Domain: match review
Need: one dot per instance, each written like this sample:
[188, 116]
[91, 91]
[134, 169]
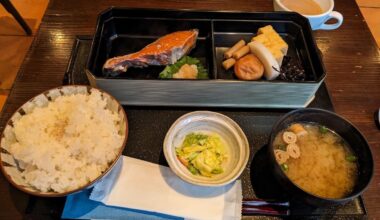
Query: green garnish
[284, 167]
[193, 170]
[202, 154]
[351, 158]
[282, 147]
[170, 70]
[323, 129]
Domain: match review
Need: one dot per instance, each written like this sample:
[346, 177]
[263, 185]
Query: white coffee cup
[318, 21]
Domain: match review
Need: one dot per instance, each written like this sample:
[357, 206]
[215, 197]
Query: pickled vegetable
[202, 154]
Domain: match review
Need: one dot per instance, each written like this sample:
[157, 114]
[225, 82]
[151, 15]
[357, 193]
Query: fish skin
[165, 50]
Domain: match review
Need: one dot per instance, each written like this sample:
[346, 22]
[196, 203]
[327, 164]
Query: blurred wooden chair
[13, 11]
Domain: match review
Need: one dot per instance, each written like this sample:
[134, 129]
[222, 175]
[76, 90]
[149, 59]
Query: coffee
[305, 7]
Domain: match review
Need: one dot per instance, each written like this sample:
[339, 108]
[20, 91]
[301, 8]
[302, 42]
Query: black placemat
[148, 126]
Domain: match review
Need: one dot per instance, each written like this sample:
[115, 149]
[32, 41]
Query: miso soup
[317, 160]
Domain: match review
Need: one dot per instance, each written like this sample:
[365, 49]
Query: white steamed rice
[67, 143]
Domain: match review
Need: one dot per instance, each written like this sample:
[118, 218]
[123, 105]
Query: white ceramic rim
[310, 16]
[174, 164]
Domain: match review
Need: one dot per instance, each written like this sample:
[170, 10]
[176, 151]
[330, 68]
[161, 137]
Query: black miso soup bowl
[342, 127]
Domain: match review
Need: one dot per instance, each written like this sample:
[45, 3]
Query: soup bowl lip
[333, 114]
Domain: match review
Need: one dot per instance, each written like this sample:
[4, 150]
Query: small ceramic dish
[208, 122]
[13, 169]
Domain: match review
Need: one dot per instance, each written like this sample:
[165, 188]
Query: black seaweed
[291, 70]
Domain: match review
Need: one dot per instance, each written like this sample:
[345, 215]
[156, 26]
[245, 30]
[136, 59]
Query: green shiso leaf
[170, 70]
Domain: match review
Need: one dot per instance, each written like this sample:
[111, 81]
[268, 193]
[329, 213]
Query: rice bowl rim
[56, 194]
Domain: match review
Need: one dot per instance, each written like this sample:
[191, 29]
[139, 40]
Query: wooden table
[350, 54]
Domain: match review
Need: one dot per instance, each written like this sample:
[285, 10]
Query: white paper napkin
[141, 185]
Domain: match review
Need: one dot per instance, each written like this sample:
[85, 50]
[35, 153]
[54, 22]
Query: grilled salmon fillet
[164, 51]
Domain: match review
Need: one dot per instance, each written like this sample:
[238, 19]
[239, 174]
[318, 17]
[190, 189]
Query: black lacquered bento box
[122, 30]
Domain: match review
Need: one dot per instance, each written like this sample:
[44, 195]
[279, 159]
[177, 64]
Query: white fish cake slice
[293, 150]
[271, 66]
[281, 156]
